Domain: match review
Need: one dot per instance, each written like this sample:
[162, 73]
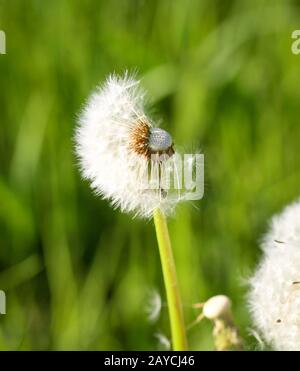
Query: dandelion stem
[179, 340]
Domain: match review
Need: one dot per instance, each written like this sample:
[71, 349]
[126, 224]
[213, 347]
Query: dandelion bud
[225, 333]
[218, 307]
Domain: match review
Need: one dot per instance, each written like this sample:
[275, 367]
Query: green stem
[179, 340]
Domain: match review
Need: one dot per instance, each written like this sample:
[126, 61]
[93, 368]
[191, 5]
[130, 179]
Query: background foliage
[222, 77]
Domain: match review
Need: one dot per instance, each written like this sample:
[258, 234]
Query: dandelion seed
[163, 340]
[257, 337]
[154, 306]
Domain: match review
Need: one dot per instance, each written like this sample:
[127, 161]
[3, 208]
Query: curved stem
[179, 340]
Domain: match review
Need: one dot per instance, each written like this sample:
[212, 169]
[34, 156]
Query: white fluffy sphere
[275, 287]
[114, 144]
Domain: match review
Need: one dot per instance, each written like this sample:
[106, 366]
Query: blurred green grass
[222, 76]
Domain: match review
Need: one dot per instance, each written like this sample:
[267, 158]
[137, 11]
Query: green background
[223, 79]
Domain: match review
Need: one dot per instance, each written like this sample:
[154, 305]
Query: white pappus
[274, 297]
[116, 141]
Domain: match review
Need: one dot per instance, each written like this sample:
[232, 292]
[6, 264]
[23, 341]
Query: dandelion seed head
[274, 297]
[114, 143]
